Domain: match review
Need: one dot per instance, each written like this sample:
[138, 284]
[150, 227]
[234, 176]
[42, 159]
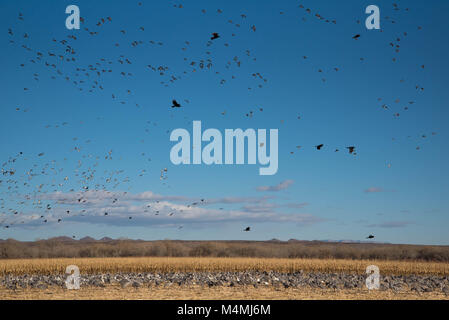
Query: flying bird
[351, 149]
[175, 104]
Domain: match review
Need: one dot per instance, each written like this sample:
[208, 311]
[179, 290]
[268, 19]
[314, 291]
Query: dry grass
[175, 292]
[180, 264]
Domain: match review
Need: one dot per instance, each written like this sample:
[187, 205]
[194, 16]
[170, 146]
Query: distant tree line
[65, 247]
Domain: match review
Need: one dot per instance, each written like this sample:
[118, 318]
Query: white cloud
[373, 190]
[148, 208]
[391, 224]
[281, 186]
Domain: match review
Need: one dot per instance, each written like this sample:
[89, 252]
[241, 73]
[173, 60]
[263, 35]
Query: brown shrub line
[53, 248]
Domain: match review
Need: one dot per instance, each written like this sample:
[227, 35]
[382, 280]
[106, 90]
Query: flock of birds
[61, 63]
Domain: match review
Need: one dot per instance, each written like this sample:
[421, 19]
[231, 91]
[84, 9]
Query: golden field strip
[175, 292]
[210, 264]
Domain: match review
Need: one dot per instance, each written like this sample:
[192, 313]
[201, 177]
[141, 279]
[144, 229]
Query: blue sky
[91, 140]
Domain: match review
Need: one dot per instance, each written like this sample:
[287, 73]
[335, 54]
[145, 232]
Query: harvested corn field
[215, 293]
[221, 278]
[169, 264]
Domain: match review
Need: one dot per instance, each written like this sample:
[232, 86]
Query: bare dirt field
[215, 293]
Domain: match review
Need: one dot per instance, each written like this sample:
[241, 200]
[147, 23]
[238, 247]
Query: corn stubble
[211, 264]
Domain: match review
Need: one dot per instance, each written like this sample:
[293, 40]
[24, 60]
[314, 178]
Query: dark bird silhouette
[318, 147]
[356, 36]
[370, 237]
[351, 149]
[247, 229]
[214, 36]
[175, 104]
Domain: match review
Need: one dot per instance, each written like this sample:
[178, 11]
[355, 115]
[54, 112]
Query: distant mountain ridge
[109, 239]
[87, 239]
